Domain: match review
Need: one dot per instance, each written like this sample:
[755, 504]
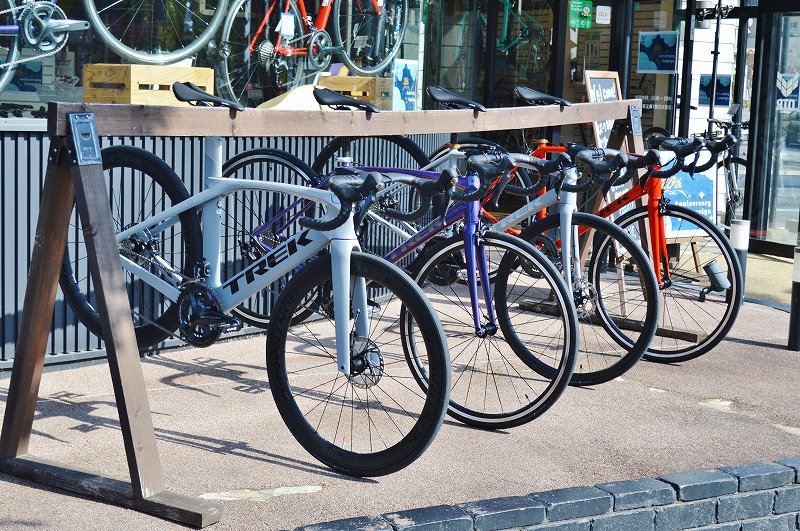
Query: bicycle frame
[269, 267]
[469, 213]
[568, 205]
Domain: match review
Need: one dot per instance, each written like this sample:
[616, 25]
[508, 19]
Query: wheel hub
[585, 295]
[366, 363]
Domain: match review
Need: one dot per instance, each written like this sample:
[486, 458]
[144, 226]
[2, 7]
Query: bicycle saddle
[326, 96]
[534, 97]
[189, 92]
[451, 100]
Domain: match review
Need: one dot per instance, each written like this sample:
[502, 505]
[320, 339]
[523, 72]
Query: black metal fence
[23, 161]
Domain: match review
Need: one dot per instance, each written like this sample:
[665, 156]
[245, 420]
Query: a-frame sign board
[74, 170]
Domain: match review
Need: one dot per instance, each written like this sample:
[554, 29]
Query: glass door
[774, 204]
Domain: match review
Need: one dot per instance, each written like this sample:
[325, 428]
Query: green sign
[580, 14]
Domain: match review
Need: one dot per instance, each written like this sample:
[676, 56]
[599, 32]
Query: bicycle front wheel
[157, 32]
[9, 43]
[253, 222]
[376, 420]
[614, 290]
[140, 185]
[370, 33]
[513, 370]
[250, 69]
[703, 292]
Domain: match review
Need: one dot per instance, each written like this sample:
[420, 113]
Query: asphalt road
[219, 436]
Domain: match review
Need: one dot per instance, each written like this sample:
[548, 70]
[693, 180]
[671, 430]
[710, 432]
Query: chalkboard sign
[602, 86]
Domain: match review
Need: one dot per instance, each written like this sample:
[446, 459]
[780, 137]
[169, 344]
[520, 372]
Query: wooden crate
[140, 84]
[375, 90]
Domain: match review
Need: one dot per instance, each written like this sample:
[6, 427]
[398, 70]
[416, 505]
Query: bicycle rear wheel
[157, 32]
[513, 374]
[376, 420]
[9, 44]
[705, 288]
[392, 151]
[250, 70]
[614, 290]
[140, 185]
[370, 32]
[255, 221]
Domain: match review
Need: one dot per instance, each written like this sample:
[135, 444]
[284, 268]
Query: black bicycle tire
[130, 157]
[431, 416]
[735, 276]
[385, 61]
[585, 374]
[258, 317]
[529, 406]
[342, 145]
[653, 131]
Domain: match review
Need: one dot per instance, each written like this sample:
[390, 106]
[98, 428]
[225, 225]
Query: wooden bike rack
[74, 173]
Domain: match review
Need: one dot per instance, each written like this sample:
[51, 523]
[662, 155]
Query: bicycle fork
[478, 267]
[340, 265]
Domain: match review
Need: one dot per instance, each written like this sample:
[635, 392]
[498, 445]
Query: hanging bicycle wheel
[530, 55]
[703, 294]
[250, 69]
[370, 33]
[155, 32]
[9, 43]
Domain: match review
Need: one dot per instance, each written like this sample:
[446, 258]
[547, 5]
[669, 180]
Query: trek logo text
[265, 263]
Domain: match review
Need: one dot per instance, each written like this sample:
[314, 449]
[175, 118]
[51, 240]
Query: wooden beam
[141, 120]
[37, 308]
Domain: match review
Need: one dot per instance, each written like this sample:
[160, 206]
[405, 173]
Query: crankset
[200, 319]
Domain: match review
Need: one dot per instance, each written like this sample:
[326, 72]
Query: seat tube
[568, 204]
[212, 217]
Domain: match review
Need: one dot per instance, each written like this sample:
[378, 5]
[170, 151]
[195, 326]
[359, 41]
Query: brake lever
[504, 179]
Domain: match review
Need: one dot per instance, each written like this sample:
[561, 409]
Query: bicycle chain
[40, 56]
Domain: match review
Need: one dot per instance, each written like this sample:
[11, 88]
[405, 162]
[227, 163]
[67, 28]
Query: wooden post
[75, 164]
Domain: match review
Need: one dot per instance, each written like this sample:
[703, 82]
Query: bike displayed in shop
[269, 47]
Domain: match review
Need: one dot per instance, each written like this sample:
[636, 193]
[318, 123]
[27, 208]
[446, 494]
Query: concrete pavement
[220, 436]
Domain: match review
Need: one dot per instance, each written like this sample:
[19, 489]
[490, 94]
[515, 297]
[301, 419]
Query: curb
[760, 495]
